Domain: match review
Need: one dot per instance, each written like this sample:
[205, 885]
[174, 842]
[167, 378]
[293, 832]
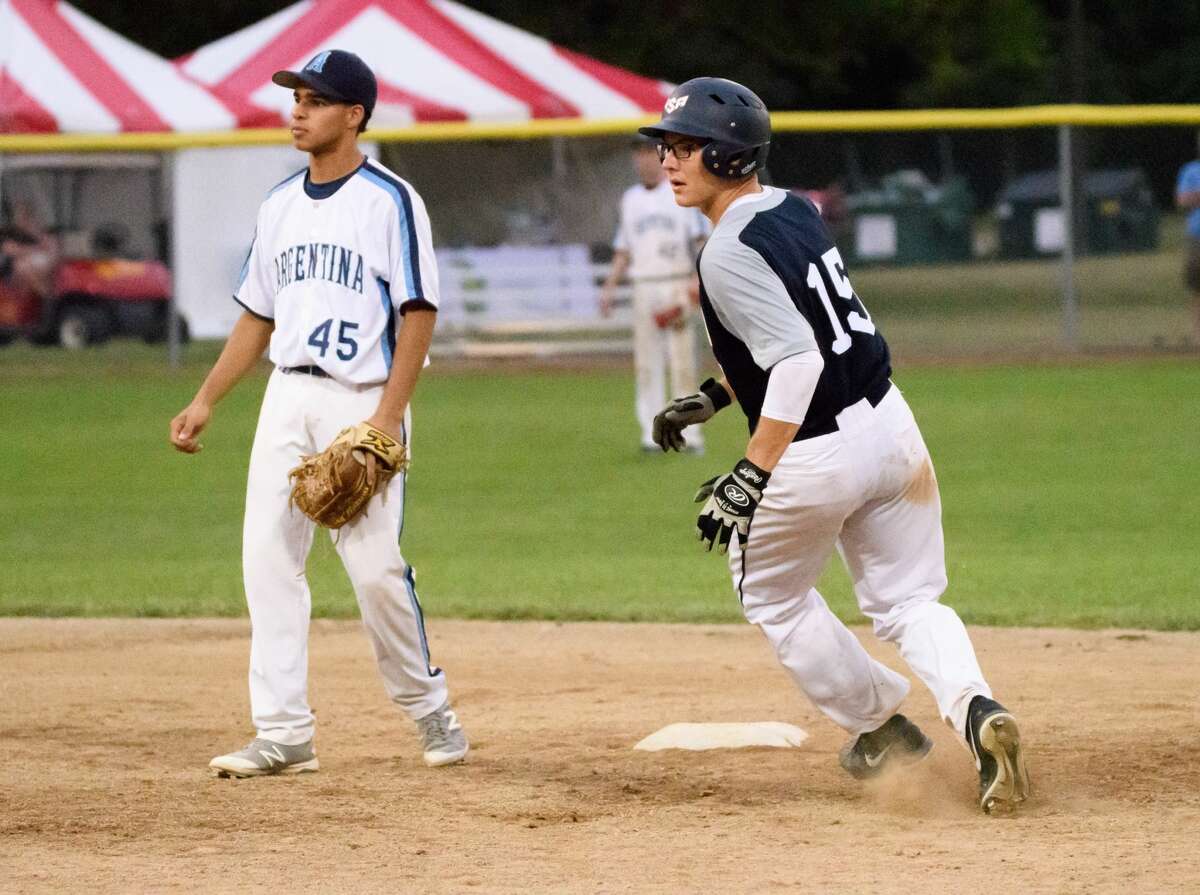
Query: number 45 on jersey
[347, 345]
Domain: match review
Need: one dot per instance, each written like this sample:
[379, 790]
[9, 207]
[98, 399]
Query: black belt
[874, 395]
[310, 370]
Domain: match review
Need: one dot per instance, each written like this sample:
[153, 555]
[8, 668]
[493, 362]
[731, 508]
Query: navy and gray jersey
[773, 284]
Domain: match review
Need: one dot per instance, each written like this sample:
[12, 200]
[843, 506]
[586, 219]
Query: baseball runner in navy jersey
[835, 458]
[341, 283]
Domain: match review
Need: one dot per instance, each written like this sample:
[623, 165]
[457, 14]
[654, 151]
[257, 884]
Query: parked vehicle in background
[91, 301]
[83, 241]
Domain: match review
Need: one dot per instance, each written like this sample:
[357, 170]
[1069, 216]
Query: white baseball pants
[655, 349]
[869, 490]
[301, 414]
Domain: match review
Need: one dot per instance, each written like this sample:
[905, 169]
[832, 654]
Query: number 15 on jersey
[859, 322]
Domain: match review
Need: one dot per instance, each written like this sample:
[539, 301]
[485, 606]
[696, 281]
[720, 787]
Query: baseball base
[700, 737]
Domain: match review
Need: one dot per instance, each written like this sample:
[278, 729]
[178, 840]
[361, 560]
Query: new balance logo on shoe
[444, 740]
[263, 757]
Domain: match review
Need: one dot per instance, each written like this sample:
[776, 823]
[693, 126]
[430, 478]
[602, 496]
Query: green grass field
[1069, 495]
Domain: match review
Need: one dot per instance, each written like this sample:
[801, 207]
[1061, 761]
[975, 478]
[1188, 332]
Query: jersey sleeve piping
[417, 304]
[408, 231]
[286, 181]
[246, 264]
[254, 313]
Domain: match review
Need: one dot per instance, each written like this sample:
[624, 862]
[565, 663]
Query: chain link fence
[957, 240]
[953, 224]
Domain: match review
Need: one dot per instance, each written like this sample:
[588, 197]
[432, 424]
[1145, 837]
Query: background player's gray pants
[300, 415]
[868, 489]
[657, 350]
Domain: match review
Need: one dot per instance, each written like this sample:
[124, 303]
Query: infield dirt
[107, 728]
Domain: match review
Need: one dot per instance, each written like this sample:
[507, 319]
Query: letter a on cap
[318, 62]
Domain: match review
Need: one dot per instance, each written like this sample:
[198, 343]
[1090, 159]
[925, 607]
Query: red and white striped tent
[436, 60]
[63, 72]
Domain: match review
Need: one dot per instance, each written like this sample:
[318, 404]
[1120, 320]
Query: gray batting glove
[729, 504]
[689, 410]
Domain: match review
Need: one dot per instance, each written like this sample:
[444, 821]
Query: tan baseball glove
[334, 486]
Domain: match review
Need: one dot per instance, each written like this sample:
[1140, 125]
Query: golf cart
[103, 276]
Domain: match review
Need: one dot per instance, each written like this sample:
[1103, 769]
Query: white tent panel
[221, 58]
[536, 58]
[409, 63]
[180, 103]
[216, 197]
[217, 193]
[52, 85]
[416, 66]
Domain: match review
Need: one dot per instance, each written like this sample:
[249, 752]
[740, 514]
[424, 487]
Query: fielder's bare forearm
[412, 345]
[620, 264]
[1188, 200]
[242, 351]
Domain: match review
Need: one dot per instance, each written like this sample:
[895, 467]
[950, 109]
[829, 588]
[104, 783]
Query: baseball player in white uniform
[341, 283]
[656, 244]
[835, 459]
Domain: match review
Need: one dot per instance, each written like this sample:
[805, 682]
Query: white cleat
[262, 758]
[444, 739]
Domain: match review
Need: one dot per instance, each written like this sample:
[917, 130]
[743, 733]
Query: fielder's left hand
[690, 410]
[730, 502]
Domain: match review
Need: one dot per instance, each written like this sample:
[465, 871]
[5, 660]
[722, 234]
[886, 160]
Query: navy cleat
[898, 742]
[995, 741]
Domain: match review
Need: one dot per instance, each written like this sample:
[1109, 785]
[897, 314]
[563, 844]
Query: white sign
[513, 284]
[1049, 235]
[875, 236]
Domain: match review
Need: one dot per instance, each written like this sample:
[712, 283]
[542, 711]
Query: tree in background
[856, 54]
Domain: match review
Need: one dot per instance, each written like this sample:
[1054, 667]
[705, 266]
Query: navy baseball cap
[337, 74]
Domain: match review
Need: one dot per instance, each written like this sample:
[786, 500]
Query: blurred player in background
[1187, 197]
[341, 283]
[656, 243]
[28, 252]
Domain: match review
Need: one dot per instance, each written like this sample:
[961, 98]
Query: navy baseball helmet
[729, 117]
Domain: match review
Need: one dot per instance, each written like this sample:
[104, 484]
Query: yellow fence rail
[902, 120]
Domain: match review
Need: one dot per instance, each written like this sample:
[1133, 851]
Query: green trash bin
[1120, 214]
[909, 220]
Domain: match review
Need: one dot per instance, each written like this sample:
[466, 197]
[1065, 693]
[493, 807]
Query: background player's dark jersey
[772, 284]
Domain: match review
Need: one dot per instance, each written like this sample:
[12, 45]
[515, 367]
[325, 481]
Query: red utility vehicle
[92, 300]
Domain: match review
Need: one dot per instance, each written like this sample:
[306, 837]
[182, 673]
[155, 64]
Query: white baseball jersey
[659, 235]
[332, 264]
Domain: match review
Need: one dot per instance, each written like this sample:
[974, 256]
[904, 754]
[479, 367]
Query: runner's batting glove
[688, 411]
[730, 502]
